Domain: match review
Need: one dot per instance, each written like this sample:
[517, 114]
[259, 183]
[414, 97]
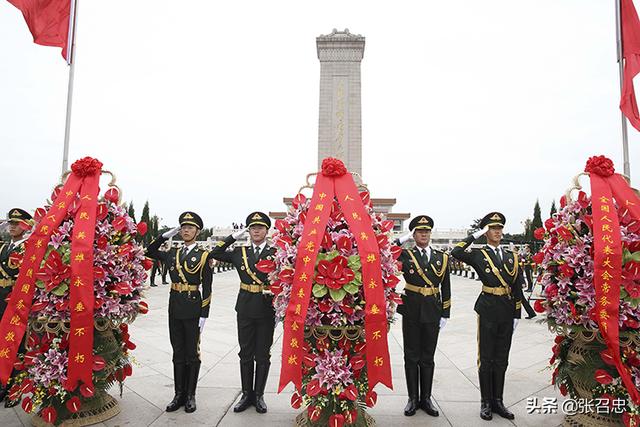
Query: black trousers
[420, 340]
[255, 336]
[494, 343]
[527, 272]
[185, 340]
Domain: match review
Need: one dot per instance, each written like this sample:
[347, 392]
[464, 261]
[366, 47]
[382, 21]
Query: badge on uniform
[411, 271]
[486, 270]
[438, 262]
[242, 267]
[193, 259]
[510, 261]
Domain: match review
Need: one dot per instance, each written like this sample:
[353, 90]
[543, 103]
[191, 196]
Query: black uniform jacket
[8, 271]
[248, 304]
[194, 270]
[489, 306]
[418, 307]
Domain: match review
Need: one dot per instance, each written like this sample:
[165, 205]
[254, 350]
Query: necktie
[499, 255]
[10, 247]
[183, 254]
[256, 252]
[425, 258]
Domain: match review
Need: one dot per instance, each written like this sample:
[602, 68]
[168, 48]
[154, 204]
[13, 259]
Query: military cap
[21, 216]
[493, 219]
[421, 222]
[258, 218]
[191, 218]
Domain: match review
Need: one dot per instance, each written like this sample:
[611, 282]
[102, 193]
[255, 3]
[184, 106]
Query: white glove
[443, 322]
[480, 233]
[515, 324]
[404, 237]
[239, 234]
[169, 234]
[201, 323]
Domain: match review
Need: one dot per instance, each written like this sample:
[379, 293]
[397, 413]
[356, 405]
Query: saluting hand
[480, 233]
[239, 234]
[404, 237]
[169, 234]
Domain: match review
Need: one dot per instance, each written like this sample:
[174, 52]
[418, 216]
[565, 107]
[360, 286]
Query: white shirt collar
[261, 246]
[428, 249]
[495, 248]
[190, 247]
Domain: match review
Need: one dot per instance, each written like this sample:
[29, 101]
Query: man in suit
[189, 302]
[498, 308]
[425, 310]
[20, 223]
[255, 314]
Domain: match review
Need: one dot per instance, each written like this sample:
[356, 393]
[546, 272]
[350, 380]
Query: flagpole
[71, 53]
[625, 141]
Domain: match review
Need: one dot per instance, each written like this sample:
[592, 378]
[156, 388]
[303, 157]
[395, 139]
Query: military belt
[423, 290]
[496, 291]
[183, 287]
[254, 289]
[6, 283]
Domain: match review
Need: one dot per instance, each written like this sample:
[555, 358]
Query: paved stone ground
[455, 388]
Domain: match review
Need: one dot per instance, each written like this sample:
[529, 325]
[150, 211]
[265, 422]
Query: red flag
[48, 21]
[631, 55]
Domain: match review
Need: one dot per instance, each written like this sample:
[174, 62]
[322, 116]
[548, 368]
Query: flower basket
[590, 274]
[80, 284]
[333, 278]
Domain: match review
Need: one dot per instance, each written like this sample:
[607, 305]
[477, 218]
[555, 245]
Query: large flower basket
[590, 273]
[334, 277]
[65, 330]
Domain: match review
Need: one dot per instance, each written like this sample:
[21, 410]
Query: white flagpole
[71, 53]
[625, 142]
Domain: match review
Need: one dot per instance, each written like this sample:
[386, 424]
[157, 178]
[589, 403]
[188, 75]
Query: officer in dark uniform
[425, 310]
[255, 314]
[527, 261]
[498, 308]
[189, 302]
[19, 224]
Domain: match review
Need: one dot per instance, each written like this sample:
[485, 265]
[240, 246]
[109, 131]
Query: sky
[467, 106]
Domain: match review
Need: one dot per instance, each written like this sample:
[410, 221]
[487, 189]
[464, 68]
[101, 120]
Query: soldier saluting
[189, 302]
[498, 308]
[20, 222]
[425, 310]
[254, 308]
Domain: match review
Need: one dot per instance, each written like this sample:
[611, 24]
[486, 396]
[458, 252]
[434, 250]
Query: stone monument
[340, 119]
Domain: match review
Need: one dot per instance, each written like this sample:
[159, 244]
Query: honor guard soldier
[189, 302]
[498, 307]
[19, 224]
[425, 310]
[254, 308]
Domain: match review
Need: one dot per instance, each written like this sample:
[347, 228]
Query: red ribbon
[607, 275]
[14, 322]
[344, 189]
[81, 286]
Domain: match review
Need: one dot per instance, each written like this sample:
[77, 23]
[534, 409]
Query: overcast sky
[467, 106]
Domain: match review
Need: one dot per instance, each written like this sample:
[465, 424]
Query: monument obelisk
[340, 119]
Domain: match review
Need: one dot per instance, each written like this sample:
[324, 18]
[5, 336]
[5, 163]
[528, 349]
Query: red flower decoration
[633, 289]
[538, 258]
[333, 167]
[600, 165]
[564, 233]
[112, 195]
[142, 228]
[336, 420]
[335, 273]
[27, 404]
[314, 413]
[566, 271]
[54, 271]
[49, 414]
[73, 404]
[538, 307]
[371, 399]
[266, 266]
[603, 377]
[539, 233]
[296, 400]
[86, 167]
